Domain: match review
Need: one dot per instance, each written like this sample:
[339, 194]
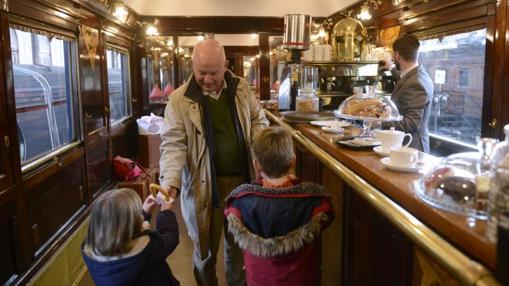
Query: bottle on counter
[294, 90]
[307, 100]
[499, 187]
[486, 147]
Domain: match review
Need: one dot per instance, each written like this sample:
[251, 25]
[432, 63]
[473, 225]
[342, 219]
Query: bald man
[205, 153]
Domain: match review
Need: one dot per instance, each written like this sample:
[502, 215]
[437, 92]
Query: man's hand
[389, 63]
[172, 191]
[165, 204]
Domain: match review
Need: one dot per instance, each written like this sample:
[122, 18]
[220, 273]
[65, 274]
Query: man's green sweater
[227, 160]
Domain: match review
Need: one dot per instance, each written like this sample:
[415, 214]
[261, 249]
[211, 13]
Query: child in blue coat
[119, 251]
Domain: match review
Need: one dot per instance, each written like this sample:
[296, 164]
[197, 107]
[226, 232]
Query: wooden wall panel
[6, 134]
[123, 140]
[8, 240]
[376, 252]
[64, 16]
[264, 60]
[54, 196]
[307, 166]
[332, 237]
[98, 166]
[92, 100]
[444, 17]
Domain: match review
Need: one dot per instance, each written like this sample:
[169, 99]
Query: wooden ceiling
[259, 8]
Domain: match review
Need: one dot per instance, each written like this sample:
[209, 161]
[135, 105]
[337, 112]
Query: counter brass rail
[458, 265]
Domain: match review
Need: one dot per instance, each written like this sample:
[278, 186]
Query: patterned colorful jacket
[279, 232]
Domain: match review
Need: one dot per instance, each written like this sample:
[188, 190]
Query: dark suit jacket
[412, 96]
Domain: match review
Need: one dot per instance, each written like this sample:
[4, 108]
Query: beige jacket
[185, 160]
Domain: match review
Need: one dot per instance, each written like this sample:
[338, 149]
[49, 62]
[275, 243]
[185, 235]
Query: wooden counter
[373, 244]
[401, 187]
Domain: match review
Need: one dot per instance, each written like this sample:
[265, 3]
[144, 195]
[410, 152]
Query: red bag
[126, 169]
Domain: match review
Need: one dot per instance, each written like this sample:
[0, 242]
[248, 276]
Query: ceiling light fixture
[322, 33]
[364, 14]
[120, 12]
[151, 31]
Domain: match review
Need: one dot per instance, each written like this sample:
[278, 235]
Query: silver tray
[306, 117]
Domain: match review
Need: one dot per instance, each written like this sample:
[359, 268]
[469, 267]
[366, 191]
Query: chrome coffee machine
[339, 80]
[296, 39]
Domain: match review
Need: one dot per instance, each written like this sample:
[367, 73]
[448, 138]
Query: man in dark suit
[413, 91]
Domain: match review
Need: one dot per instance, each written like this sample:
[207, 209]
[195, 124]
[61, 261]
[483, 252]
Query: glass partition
[456, 65]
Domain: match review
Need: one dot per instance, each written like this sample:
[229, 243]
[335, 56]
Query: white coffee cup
[404, 156]
[392, 138]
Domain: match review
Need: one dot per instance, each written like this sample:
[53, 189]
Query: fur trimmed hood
[271, 222]
[279, 245]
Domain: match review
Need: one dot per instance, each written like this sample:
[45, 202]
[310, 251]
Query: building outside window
[457, 102]
[118, 84]
[44, 93]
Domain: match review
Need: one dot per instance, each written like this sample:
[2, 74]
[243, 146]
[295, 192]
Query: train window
[456, 64]
[43, 91]
[118, 84]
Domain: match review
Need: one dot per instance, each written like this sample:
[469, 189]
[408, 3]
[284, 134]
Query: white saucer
[333, 129]
[330, 123]
[386, 161]
[380, 151]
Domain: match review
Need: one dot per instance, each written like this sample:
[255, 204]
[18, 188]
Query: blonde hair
[273, 148]
[115, 220]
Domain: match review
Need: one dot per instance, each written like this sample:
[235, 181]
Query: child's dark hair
[273, 148]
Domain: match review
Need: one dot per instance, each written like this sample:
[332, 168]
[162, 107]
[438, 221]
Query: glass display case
[369, 108]
[452, 185]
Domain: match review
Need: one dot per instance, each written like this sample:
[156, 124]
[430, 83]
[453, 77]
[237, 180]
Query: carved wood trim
[176, 25]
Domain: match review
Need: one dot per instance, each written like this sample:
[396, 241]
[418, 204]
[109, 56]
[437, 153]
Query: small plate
[380, 151]
[386, 161]
[330, 123]
[359, 142]
[333, 129]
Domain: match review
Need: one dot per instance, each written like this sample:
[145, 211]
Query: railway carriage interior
[75, 75]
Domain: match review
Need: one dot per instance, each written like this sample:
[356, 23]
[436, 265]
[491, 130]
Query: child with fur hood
[277, 221]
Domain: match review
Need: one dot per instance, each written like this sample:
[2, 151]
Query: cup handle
[409, 141]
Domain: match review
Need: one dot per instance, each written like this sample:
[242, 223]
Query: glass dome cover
[452, 186]
[368, 107]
